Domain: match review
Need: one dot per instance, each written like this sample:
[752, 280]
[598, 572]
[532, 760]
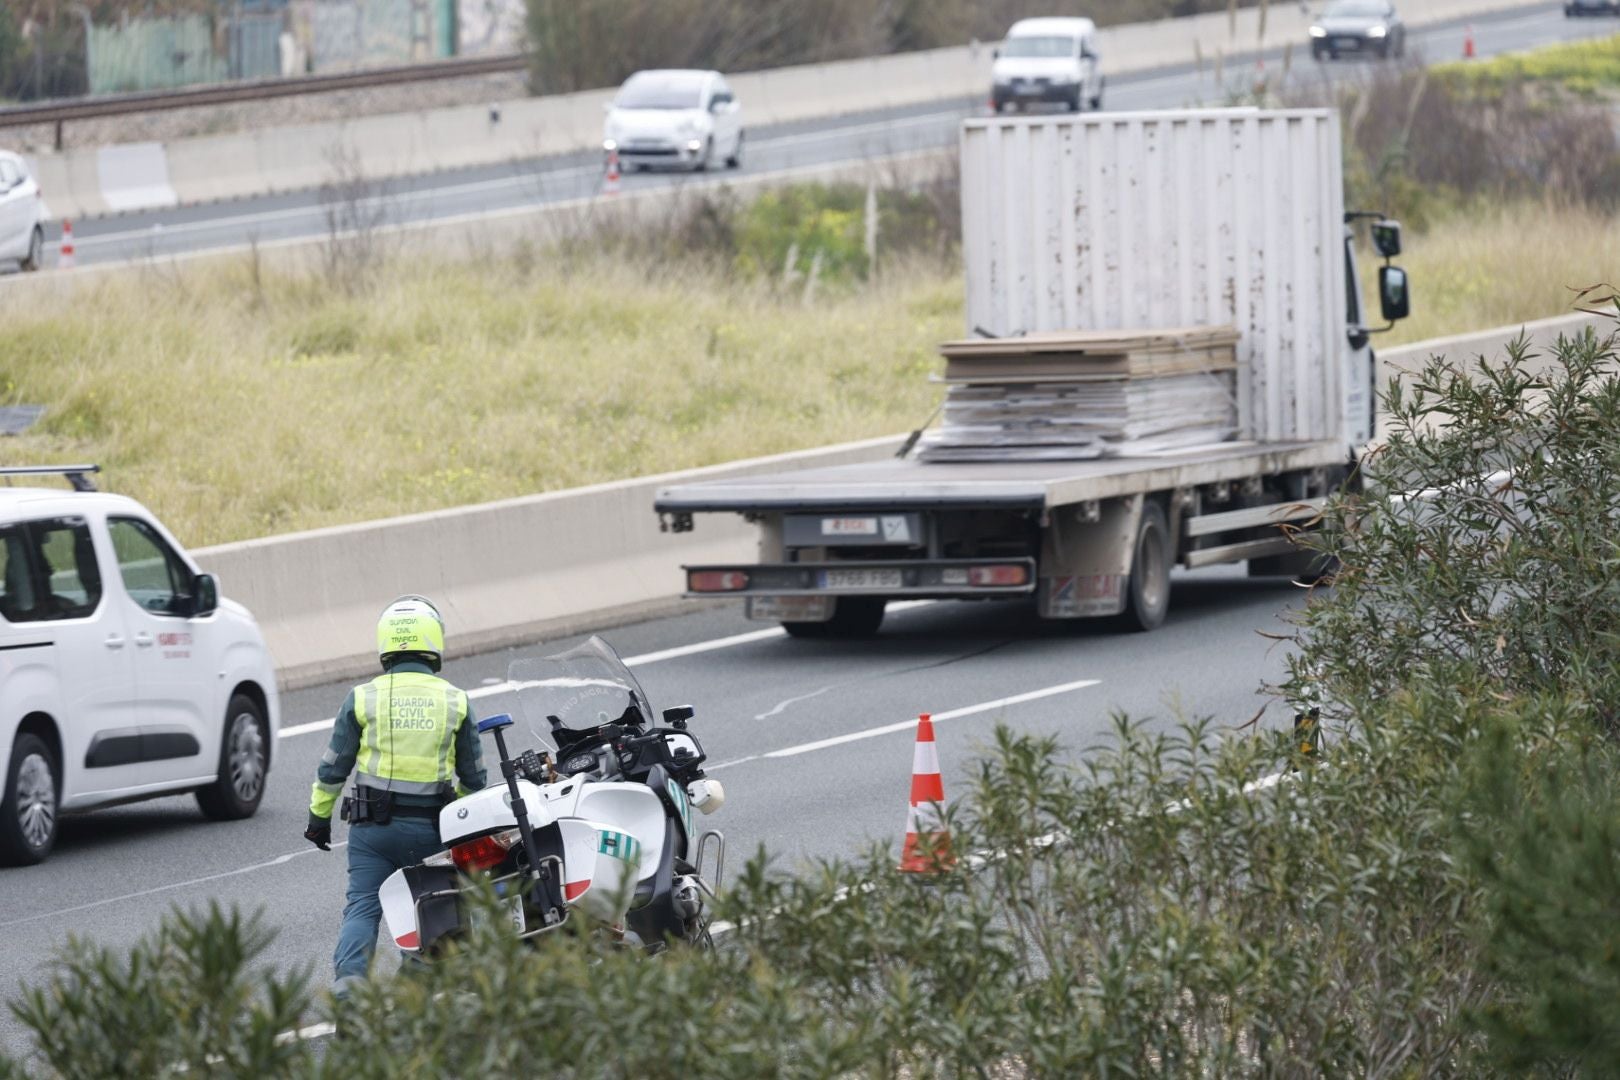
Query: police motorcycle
[593, 818]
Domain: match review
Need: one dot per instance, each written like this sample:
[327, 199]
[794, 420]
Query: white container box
[1151, 220]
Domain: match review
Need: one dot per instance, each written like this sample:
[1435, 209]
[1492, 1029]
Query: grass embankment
[237, 416]
[1590, 68]
[239, 410]
[1505, 265]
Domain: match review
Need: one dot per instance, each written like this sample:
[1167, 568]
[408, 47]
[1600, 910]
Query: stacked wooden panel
[1086, 394]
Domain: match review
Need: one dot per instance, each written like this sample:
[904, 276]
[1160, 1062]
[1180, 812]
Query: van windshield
[1039, 46]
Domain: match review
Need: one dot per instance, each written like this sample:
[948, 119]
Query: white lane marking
[313, 1031]
[493, 689]
[910, 725]
[305, 729]
[280, 860]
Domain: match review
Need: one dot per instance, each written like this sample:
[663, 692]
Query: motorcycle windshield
[580, 690]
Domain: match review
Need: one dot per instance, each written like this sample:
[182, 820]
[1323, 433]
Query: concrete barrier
[298, 157]
[134, 176]
[552, 564]
[502, 572]
[1409, 359]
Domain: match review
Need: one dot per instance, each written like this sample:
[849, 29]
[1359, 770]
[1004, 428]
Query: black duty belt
[429, 812]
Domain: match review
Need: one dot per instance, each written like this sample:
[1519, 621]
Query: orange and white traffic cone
[1468, 43]
[610, 182]
[927, 846]
[65, 259]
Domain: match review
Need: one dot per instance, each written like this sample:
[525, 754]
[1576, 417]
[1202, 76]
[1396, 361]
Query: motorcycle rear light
[716, 581]
[998, 575]
[485, 852]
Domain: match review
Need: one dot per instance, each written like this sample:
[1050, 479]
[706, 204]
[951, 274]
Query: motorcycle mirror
[678, 715]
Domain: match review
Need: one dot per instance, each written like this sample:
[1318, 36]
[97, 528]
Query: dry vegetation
[1509, 264]
[237, 415]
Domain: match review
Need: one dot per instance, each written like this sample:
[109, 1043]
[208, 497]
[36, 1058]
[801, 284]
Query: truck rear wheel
[853, 617]
[1147, 594]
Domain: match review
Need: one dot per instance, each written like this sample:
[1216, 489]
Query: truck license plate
[860, 579]
[849, 526]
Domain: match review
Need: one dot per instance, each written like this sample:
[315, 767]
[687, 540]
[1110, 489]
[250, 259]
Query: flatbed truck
[1122, 222]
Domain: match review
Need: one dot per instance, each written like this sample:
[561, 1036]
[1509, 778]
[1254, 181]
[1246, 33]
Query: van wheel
[853, 617]
[36, 251]
[244, 762]
[1147, 595]
[735, 160]
[28, 819]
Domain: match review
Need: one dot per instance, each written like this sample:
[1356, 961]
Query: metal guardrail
[84, 108]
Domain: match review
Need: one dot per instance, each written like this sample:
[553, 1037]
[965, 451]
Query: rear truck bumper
[888, 578]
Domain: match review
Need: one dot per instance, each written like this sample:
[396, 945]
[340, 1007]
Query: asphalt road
[795, 729]
[779, 149]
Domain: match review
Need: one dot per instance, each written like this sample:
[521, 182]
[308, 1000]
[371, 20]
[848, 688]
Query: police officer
[411, 738]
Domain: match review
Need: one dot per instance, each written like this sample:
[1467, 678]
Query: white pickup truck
[1127, 222]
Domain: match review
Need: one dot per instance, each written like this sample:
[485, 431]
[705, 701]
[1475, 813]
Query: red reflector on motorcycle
[573, 890]
[410, 941]
[484, 853]
[716, 581]
[998, 575]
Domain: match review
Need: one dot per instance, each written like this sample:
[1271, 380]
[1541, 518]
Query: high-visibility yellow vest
[408, 723]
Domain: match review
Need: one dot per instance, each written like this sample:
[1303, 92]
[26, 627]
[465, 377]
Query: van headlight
[1317, 31]
[1377, 31]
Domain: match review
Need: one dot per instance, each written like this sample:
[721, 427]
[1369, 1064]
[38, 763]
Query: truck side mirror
[1386, 237]
[1393, 298]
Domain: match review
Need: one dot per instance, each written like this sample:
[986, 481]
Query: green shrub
[185, 999]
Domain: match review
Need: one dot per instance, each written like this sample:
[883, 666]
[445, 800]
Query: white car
[1048, 61]
[123, 675]
[681, 118]
[22, 215]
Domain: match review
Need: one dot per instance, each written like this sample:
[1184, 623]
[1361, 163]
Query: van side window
[19, 591]
[154, 575]
[68, 567]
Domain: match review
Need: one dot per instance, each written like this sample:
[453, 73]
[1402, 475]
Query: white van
[123, 674]
[1048, 60]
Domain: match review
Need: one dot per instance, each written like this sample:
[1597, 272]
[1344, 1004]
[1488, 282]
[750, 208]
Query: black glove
[319, 833]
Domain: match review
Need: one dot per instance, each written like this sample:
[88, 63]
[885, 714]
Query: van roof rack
[77, 475]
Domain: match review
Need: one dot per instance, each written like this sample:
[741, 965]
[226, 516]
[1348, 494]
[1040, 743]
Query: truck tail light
[484, 853]
[716, 581]
[998, 575]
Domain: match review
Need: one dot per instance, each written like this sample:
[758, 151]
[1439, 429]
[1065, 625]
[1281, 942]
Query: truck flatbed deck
[905, 484]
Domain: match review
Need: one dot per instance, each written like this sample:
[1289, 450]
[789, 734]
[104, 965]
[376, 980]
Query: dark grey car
[1356, 28]
[1573, 8]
